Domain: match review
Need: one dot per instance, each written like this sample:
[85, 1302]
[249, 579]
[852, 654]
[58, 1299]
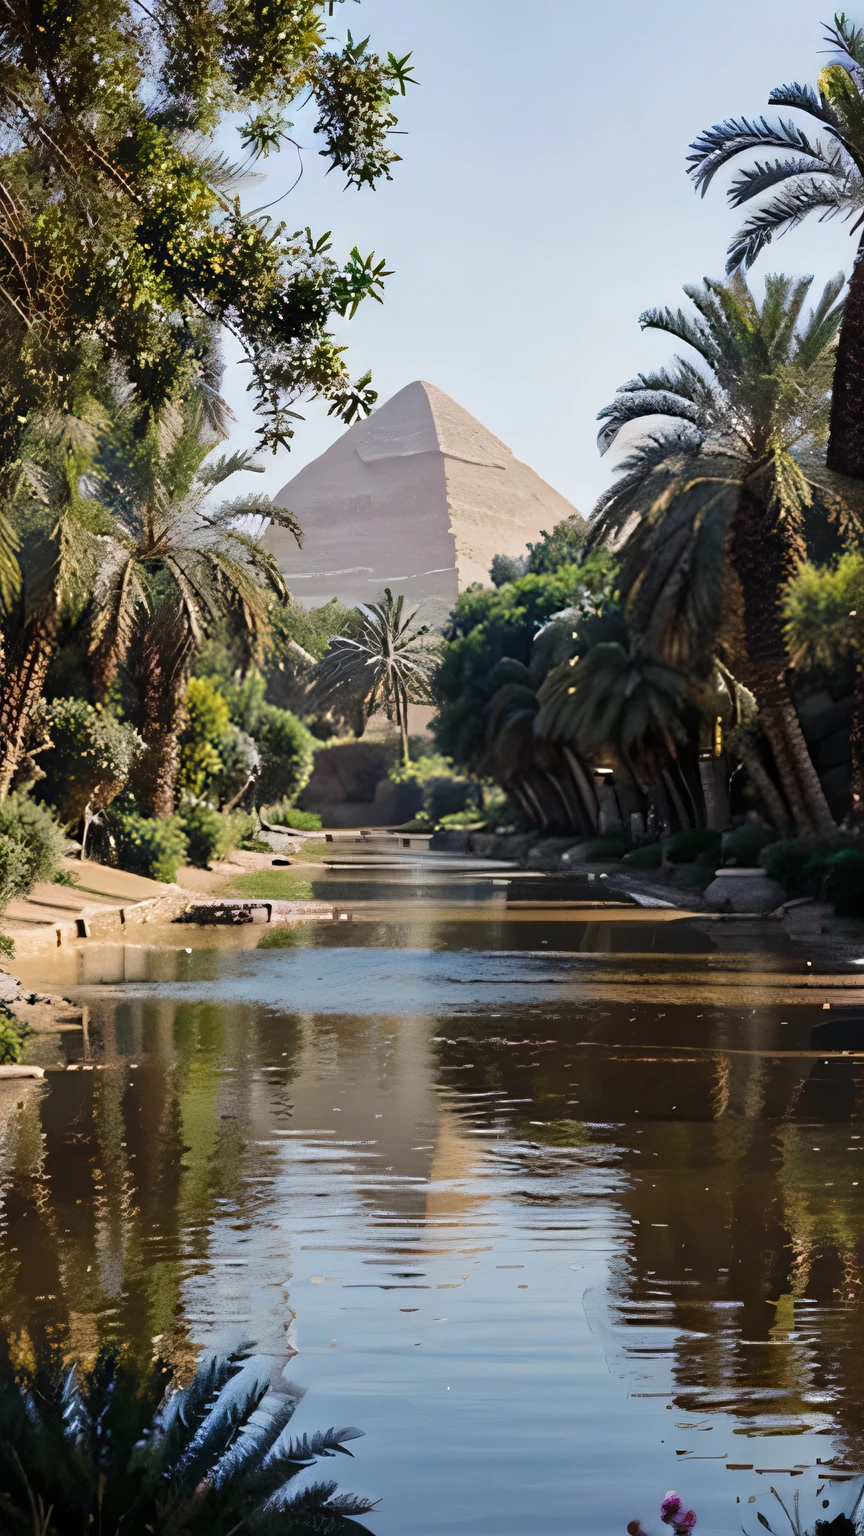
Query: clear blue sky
[542, 203]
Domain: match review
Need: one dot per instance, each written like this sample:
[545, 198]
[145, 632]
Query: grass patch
[280, 938]
[269, 885]
[311, 852]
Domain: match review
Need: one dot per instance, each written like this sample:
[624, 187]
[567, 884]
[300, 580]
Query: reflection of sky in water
[553, 1249]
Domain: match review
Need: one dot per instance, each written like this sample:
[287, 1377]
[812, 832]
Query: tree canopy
[120, 223]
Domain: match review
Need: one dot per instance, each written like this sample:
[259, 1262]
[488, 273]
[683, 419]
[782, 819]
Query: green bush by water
[280, 937]
[844, 882]
[31, 846]
[601, 848]
[287, 752]
[649, 856]
[820, 869]
[145, 846]
[743, 846]
[211, 834]
[282, 815]
[693, 843]
[90, 759]
[12, 1033]
[797, 866]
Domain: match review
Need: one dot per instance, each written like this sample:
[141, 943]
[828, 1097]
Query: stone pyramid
[418, 498]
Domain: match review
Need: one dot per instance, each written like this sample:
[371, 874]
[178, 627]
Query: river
[560, 1212]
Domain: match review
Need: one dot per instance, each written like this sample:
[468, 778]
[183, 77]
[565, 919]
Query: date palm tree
[173, 567]
[120, 1449]
[388, 665]
[50, 554]
[710, 516]
[823, 175]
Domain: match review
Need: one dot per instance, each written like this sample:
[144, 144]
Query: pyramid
[418, 498]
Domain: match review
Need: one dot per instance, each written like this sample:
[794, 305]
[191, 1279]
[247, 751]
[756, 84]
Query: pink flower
[685, 1521]
[670, 1507]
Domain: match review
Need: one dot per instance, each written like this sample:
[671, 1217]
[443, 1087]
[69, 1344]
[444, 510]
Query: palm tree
[388, 665]
[825, 627]
[631, 701]
[50, 553]
[173, 567]
[811, 176]
[711, 516]
[119, 1449]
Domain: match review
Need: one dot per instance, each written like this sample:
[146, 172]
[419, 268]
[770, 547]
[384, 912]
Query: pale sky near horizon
[541, 205]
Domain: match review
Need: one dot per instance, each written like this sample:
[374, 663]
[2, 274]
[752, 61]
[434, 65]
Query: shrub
[286, 749]
[287, 816]
[207, 723]
[798, 867]
[649, 856]
[208, 833]
[89, 761]
[282, 937]
[12, 1033]
[31, 845]
[691, 844]
[472, 817]
[744, 845]
[145, 846]
[844, 882]
[601, 848]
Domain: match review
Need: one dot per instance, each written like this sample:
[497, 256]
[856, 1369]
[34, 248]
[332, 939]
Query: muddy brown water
[561, 1210]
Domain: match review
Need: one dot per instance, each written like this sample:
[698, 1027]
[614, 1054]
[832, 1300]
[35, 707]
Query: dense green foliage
[287, 750]
[287, 816]
[31, 846]
[145, 845]
[488, 630]
[207, 725]
[89, 760]
[211, 834]
[12, 1034]
[120, 226]
[824, 609]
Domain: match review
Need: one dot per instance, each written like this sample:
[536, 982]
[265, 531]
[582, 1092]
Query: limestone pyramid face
[418, 497]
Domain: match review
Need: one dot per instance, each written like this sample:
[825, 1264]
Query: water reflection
[418, 1201]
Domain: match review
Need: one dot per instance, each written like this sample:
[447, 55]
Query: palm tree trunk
[162, 680]
[402, 720]
[585, 788]
[761, 778]
[763, 566]
[856, 742]
[846, 443]
[25, 669]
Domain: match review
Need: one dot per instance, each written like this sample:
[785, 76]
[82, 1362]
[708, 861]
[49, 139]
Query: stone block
[743, 890]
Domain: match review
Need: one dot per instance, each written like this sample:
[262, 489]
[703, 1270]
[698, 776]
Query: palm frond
[714, 148]
[786, 211]
[632, 702]
[758, 178]
[218, 470]
[823, 322]
[805, 99]
[633, 407]
[675, 323]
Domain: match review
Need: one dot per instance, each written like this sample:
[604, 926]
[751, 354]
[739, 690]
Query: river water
[561, 1211]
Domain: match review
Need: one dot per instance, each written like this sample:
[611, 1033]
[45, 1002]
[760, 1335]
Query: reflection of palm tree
[119, 1447]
